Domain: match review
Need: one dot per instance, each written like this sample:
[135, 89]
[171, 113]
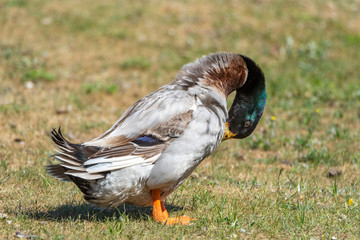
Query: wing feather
[110, 152]
[109, 159]
[63, 158]
[118, 158]
[116, 165]
[153, 110]
[84, 175]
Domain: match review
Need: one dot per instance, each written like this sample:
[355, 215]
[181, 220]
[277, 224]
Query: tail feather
[78, 152]
[58, 172]
[71, 157]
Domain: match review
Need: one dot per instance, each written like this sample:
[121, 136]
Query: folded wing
[117, 149]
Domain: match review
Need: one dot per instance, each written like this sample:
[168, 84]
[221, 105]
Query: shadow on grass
[92, 213]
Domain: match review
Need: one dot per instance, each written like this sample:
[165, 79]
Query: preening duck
[158, 142]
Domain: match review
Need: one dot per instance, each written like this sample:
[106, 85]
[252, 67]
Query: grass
[82, 64]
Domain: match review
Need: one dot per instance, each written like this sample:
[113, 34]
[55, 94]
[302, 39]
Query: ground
[81, 64]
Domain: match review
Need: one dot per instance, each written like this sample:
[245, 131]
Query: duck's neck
[225, 72]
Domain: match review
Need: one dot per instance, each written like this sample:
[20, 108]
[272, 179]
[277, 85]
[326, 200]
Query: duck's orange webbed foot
[161, 215]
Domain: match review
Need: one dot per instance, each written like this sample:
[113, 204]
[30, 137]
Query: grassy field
[81, 64]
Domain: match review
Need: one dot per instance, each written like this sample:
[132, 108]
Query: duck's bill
[227, 133]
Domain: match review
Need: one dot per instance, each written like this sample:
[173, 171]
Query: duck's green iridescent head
[248, 105]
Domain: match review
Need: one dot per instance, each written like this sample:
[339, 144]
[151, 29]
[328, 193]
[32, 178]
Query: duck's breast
[184, 154]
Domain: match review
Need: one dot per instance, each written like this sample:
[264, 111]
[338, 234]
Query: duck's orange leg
[161, 215]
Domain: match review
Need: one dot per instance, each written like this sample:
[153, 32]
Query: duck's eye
[247, 124]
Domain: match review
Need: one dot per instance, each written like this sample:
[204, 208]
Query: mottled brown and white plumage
[158, 141]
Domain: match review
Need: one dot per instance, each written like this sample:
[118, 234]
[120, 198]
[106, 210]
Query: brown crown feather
[224, 71]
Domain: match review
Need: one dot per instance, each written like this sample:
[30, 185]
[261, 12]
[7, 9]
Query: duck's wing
[139, 137]
[147, 113]
[145, 149]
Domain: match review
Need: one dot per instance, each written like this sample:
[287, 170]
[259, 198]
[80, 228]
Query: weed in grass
[338, 114]
[38, 75]
[351, 39]
[24, 65]
[114, 227]
[264, 139]
[302, 142]
[17, 3]
[87, 127]
[59, 237]
[310, 119]
[355, 158]
[334, 189]
[301, 214]
[4, 165]
[12, 108]
[337, 132]
[118, 34]
[135, 63]
[317, 156]
[77, 100]
[202, 197]
[96, 87]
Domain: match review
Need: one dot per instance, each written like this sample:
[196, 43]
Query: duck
[159, 141]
